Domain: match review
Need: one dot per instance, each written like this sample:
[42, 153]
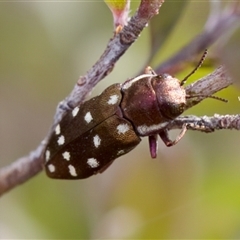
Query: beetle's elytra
[92, 135]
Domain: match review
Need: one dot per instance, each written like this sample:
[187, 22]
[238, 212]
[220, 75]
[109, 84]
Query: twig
[205, 123]
[219, 24]
[207, 86]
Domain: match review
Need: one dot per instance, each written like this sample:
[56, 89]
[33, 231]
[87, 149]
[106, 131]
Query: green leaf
[116, 4]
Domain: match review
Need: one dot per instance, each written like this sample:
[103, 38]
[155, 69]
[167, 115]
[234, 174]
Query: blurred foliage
[189, 191]
[162, 25]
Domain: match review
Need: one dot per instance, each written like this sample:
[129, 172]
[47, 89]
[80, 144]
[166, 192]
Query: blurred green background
[191, 190]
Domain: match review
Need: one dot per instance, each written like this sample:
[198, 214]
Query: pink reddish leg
[168, 142]
[153, 145]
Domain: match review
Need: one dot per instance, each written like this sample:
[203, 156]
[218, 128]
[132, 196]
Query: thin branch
[26, 167]
[207, 86]
[21, 170]
[205, 123]
[223, 25]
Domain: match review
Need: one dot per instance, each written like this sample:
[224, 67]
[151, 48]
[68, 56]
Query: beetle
[91, 136]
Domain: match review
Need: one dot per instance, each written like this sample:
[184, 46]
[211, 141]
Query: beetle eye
[165, 76]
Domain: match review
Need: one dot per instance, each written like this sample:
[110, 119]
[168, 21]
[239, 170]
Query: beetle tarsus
[149, 70]
[168, 142]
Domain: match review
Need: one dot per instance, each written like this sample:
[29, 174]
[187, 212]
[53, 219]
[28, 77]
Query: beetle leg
[168, 142]
[153, 145]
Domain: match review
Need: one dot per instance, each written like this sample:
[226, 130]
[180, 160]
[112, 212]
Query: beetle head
[171, 96]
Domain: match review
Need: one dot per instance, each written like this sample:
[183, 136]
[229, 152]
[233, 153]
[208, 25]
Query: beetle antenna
[196, 68]
[211, 96]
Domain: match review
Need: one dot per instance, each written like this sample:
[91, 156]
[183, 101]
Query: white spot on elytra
[61, 140]
[144, 129]
[96, 141]
[122, 128]
[47, 155]
[113, 99]
[88, 117]
[57, 129]
[92, 162]
[120, 152]
[51, 168]
[72, 170]
[66, 156]
[75, 111]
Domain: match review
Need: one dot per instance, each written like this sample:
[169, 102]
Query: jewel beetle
[91, 136]
[105, 127]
